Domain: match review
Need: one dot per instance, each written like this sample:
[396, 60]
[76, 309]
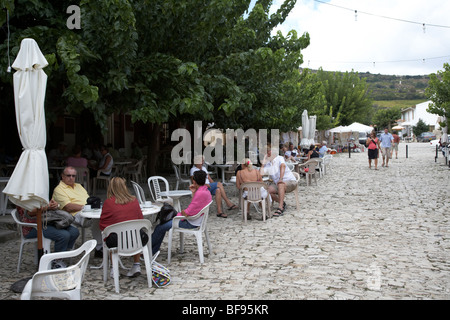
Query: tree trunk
[153, 148]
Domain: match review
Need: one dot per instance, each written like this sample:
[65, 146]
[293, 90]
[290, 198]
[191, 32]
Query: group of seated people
[120, 205]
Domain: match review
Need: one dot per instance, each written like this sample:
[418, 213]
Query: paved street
[360, 234]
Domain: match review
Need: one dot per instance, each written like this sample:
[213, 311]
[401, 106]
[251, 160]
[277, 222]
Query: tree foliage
[386, 117]
[169, 59]
[439, 93]
[346, 95]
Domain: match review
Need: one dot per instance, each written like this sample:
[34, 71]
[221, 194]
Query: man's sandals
[224, 215]
[280, 212]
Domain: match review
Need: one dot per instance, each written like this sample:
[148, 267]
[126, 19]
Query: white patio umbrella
[28, 186]
[305, 129]
[312, 129]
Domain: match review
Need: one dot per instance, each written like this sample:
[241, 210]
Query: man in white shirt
[386, 142]
[283, 179]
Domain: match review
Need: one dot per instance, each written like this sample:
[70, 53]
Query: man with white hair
[282, 177]
[323, 149]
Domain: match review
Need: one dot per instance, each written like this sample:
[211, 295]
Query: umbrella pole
[39, 234]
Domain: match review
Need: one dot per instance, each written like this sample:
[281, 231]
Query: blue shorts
[212, 188]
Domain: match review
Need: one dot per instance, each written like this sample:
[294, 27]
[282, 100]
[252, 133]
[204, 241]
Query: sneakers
[134, 271]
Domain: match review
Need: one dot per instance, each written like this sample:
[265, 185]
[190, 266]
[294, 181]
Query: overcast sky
[372, 43]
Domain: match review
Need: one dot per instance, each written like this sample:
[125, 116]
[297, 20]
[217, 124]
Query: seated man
[200, 198]
[216, 188]
[323, 149]
[64, 238]
[72, 197]
[283, 179]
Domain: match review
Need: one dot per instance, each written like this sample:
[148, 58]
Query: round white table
[222, 167]
[176, 195]
[95, 214]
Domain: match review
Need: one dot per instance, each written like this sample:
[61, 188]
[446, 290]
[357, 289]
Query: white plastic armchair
[154, 184]
[140, 194]
[254, 196]
[129, 243]
[311, 166]
[197, 232]
[327, 162]
[64, 283]
[46, 243]
[180, 178]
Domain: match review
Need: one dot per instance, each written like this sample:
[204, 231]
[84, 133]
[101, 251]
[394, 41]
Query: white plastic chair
[180, 179]
[99, 178]
[254, 196]
[297, 200]
[154, 184]
[64, 283]
[135, 171]
[129, 243]
[197, 232]
[327, 162]
[140, 194]
[83, 177]
[46, 243]
[311, 165]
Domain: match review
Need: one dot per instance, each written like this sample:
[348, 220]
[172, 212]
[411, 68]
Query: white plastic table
[176, 195]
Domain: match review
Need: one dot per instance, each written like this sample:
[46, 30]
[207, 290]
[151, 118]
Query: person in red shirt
[395, 145]
[121, 206]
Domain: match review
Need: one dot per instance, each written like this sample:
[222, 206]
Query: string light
[374, 63]
[384, 17]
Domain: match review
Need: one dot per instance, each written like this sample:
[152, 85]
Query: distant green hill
[389, 87]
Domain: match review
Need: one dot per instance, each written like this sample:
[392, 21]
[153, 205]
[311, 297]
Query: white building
[411, 115]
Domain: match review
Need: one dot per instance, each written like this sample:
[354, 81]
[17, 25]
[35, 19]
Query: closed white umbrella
[312, 129]
[28, 186]
[305, 129]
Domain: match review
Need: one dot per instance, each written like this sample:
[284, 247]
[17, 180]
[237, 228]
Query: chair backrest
[82, 177]
[205, 213]
[52, 282]
[128, 233]
[155, 188]
[311, 164]
[20, 223]
[140, 194]
[177, 171]
[253, 190]
[297, 176]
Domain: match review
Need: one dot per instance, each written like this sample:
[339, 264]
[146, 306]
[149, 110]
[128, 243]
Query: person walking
[395, 145]
[373, 145]
[386, 143]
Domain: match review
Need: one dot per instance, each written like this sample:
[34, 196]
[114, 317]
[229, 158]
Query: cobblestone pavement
[360, 234]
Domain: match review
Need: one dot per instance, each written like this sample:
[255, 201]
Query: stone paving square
[360, 234]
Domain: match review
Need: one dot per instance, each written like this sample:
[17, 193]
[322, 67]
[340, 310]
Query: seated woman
[105, 165]
[201, 197]
[312, 153]
[248, 174]
[64, 238]
[121, 206]
[76, 160]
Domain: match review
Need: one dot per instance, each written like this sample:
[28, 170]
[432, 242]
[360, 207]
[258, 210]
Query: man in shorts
[395, 145]
[386, 143]
[283, 179]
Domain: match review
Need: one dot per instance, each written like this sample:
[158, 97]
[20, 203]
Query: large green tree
[347, 97]
[160, 60]
[438, 92]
